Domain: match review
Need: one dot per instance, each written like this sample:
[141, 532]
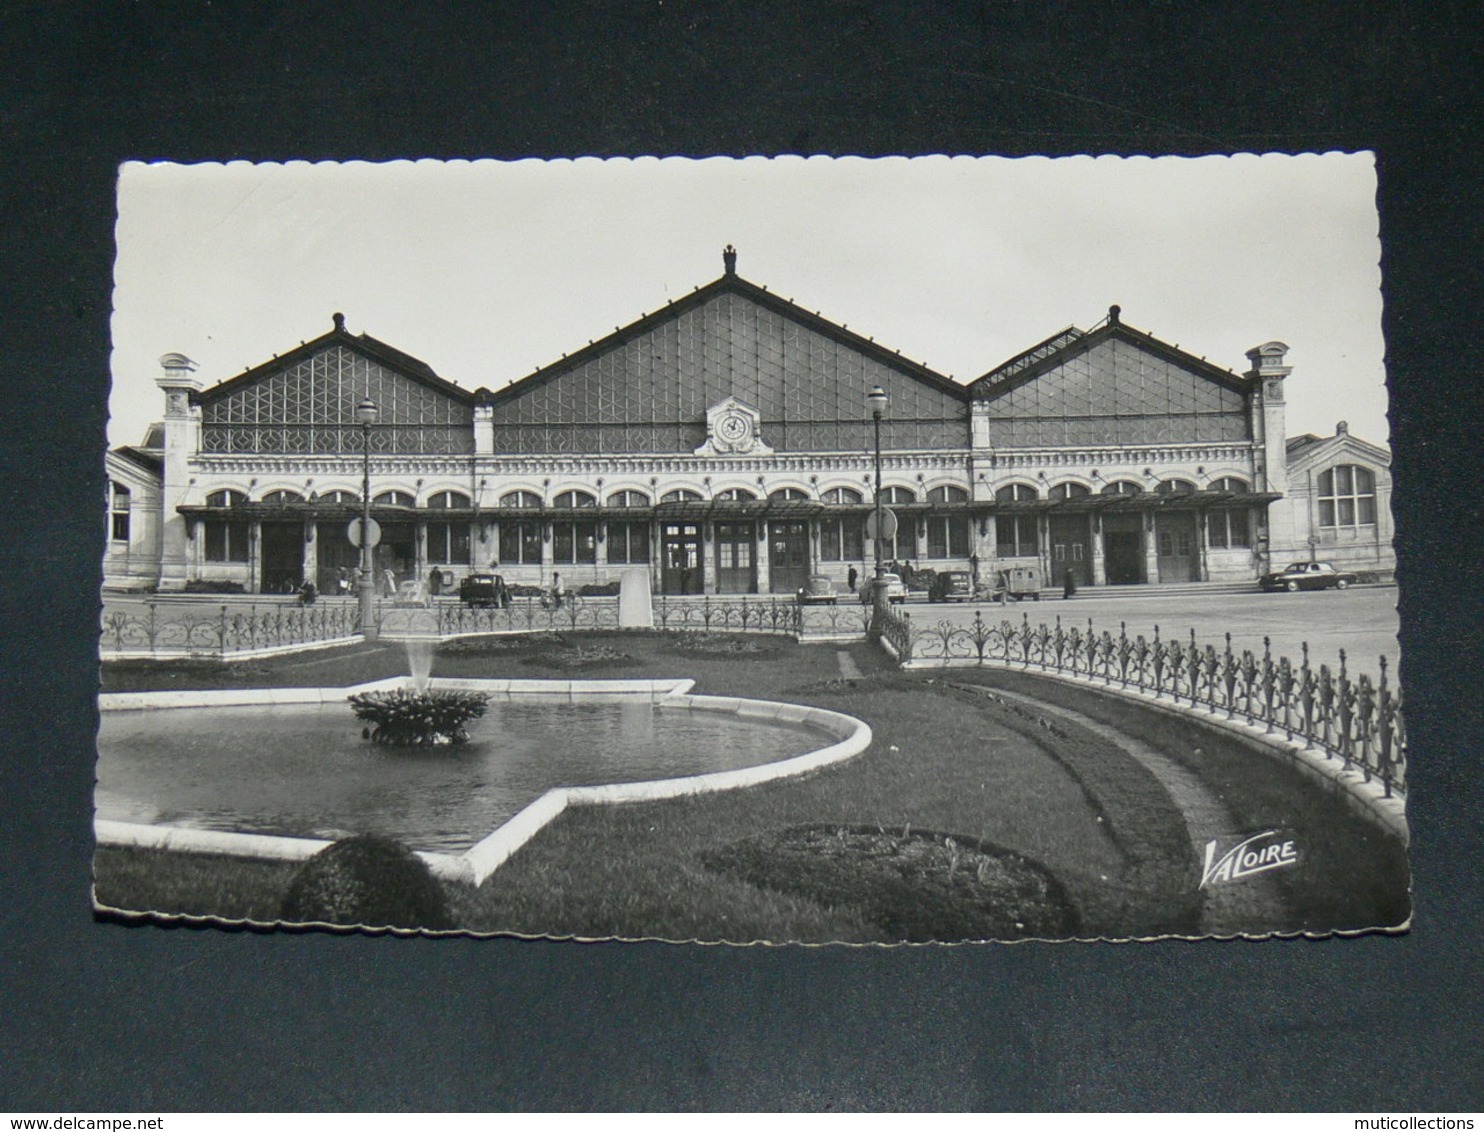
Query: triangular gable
[1113, 385]
[305, 401]
[1326, 451]
[647, 387]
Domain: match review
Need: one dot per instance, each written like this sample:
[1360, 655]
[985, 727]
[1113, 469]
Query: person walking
[851, 578]
[389, 580]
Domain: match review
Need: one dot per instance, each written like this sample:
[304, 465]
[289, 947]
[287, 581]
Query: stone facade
[724, 442]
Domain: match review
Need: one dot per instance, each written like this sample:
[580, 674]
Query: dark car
[483, 589]
[1307, 576]
[818, 590]
[951, 585]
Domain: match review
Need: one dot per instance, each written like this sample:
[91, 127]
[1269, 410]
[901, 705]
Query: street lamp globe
[877, 400]
[367, 412]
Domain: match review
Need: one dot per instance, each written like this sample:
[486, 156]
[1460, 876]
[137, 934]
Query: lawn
[965, 819]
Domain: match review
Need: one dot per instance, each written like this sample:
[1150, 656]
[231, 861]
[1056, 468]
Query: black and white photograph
[794, 550]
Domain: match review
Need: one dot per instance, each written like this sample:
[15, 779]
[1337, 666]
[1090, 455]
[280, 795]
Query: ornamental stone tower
[182, 440]
[1269, 432]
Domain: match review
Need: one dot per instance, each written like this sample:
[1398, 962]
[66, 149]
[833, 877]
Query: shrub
[404, 718]
[367, 881]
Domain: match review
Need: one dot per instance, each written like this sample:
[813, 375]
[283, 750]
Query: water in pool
[305, 771]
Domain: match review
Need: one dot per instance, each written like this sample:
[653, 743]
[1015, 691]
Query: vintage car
[896, 589]
[818, 590]
[481, 589]
[951, 585]
[1017, 582]
[1307, 576]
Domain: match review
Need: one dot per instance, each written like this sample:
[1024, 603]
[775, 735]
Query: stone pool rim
[476, 864]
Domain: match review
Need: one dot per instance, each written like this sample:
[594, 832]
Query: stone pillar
[1270, 455]
[484, 430]
[182, 442]
[764, 577]
[311, 552]
[1099, 565]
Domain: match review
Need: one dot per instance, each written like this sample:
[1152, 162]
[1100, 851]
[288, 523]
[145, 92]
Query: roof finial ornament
[1113, 312]
[729, 259]
[339, 320]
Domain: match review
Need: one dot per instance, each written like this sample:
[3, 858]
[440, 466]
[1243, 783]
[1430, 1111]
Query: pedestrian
[556, 590]
[851, 578]
[389, 580]
[435, 581]
[1068, 584]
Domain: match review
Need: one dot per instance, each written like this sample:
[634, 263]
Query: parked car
[1018, 582]
[818, 590]
[896, 590]
[951, 585]
[1307, 576]
[483, 590]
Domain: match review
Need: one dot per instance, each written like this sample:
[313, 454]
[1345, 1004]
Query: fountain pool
[303, 770]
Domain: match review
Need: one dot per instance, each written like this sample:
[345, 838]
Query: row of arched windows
[1346, 494]
[443, 500]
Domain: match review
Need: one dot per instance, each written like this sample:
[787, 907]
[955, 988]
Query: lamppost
[877, 399]
[366, 413]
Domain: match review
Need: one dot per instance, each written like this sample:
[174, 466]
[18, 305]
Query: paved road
[1361, 621]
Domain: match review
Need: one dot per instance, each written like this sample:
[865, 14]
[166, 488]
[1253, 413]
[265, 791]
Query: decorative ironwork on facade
[1116, 393]
[650, 393]
[310, 408]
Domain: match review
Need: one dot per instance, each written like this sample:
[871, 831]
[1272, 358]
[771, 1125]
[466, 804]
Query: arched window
[574, 541]
[1232, 484]
[788, 494]
[948, 535]
[735, 494]
[681, 495]
[279, 498]
[226, 540]
[1122, 487]
[1016, 493]
[449, 543]
[394, 499]
[1064, 491]
[118, 506]
[527, 499]
[1015, 534]
[628, 499]
[843, 495]
[342, 498]
[1175, 487]
[842, 538]
[1347, 497]
[894, 495]
[948, 494]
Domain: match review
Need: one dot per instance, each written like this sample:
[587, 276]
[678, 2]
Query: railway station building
[725, 442]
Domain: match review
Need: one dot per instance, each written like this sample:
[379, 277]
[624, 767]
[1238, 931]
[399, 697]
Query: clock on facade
[733, 427]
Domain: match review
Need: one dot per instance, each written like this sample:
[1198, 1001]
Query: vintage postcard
[781, 549]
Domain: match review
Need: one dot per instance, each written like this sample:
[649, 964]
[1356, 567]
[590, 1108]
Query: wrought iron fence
[522, 615]
[159, 630]
[1350, 718]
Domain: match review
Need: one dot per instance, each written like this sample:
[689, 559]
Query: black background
[98, 1016]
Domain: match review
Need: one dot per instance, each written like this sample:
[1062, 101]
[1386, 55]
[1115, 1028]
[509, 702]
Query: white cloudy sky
[486, 270]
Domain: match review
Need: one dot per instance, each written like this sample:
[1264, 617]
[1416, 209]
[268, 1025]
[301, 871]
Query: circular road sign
[353, 532]
[888, 524]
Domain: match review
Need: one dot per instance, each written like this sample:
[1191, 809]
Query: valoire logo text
[1258, 854]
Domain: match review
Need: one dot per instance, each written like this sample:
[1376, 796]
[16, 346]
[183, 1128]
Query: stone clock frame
[733, 428]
